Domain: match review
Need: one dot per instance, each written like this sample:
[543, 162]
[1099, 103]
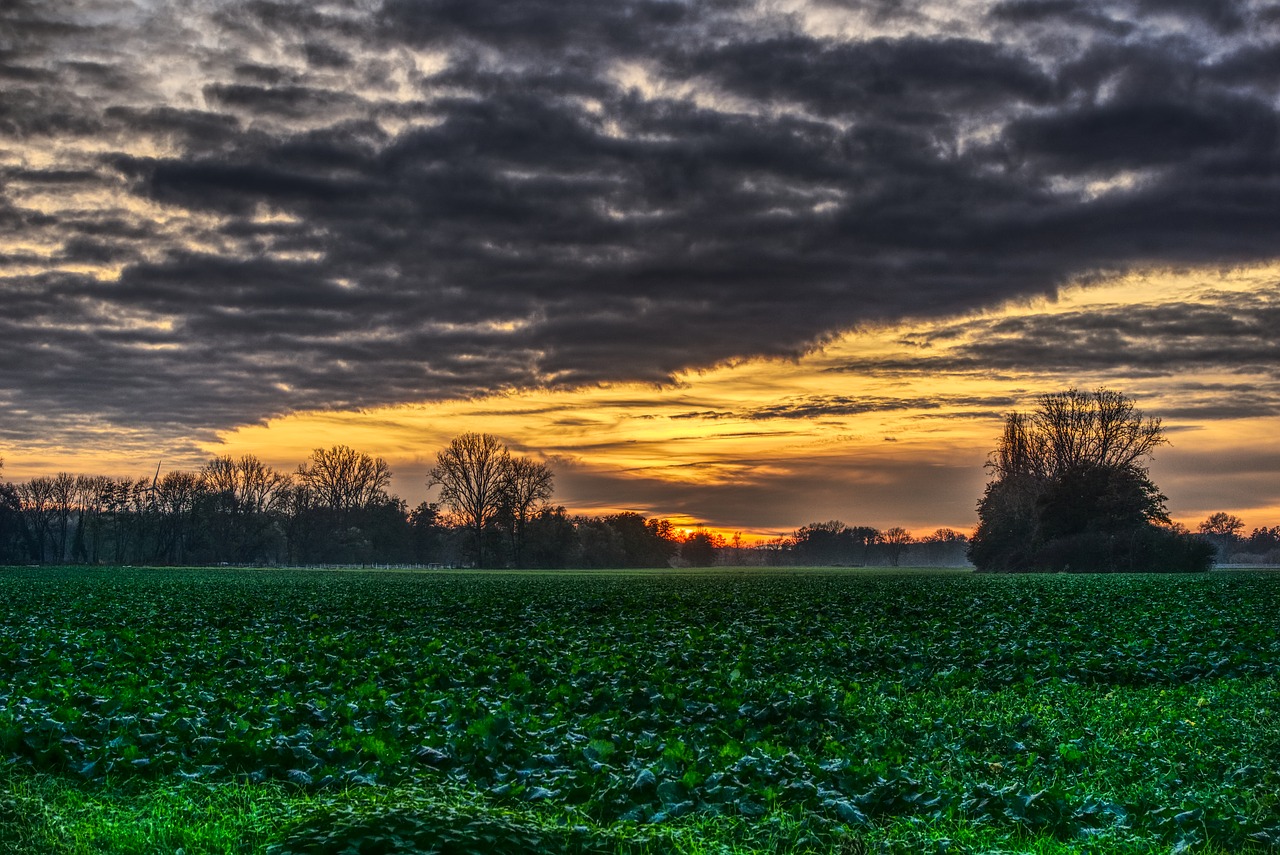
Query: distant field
[755, 710]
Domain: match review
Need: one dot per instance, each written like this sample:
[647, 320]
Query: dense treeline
[495, 511]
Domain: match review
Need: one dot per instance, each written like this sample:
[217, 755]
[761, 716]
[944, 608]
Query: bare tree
[244, 492]
[63, 498]
[343, 479]
[1073, 430]
[37, 513]
[248, 484]
[471, 473]
[178, 496]
[526, 486]
[895, 540]
[1071, 491]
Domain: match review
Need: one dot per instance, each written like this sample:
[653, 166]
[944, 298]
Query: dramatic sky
[745, 263]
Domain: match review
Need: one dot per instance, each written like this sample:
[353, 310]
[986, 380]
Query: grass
[759, 711]
[45, 814]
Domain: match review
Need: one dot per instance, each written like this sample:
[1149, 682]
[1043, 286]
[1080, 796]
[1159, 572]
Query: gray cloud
[421, 199]
[1227, 332]
[835, 406]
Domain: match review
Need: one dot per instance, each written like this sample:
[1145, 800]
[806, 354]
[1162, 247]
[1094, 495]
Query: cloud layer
[212, 213]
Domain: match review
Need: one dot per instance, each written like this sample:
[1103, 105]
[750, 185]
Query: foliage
[700, 548]
[833, 543]
[1121, 710]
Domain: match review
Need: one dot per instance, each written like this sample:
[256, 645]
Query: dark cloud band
[273, 206]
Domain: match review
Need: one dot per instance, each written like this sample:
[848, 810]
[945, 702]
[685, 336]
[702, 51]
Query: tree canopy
[1071, 492]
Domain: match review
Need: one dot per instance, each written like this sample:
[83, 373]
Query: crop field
[765, 710]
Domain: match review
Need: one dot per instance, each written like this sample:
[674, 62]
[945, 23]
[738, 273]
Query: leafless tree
[178, 496]
[526, 486]
[895, 540]
[1073, 430]
[37, 512]
[63, 498]
[343, 479]
[248, 485]
[245, 492]
[472, 473]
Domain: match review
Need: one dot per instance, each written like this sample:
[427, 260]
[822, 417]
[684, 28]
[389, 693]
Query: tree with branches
[1071, 491]
[343, 479]
[527, 486]
[472, 473]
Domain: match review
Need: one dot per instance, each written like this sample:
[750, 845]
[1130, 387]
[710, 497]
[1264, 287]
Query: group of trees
[1226, 533]
[836, 544]
[494, 510]
[232, 510]
[1071, 492]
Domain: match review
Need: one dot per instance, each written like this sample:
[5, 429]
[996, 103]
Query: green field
[773, 711]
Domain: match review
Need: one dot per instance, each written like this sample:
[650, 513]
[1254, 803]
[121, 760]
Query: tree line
[495, 510]
[1070, 492]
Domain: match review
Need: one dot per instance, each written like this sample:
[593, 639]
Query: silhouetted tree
[1263, 545]
[599, 545]
[526, 486]
[471, 473]
[1223, 531]
[426, 534]
[943, 547]
[36, 495]
[644, 543]
[701, 548]
[833, 543]
[895, 540]
[179, 498]
[243, 496]
[550, 539]
[343, 479]
[10, 521]
[1071, 492]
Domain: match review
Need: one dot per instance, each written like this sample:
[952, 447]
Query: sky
[744, 264]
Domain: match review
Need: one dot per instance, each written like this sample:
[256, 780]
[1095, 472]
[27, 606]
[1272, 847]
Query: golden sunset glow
[863, 421]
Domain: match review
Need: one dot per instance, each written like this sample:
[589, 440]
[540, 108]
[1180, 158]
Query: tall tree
[178, 499]
[10, 520]
[471, 473]
[1223, 531]
[37, 514]
[527, 485]
[244, 492]
[63, 497]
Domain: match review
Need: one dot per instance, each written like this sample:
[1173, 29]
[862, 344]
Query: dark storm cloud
[911, 79]
[297, 206]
